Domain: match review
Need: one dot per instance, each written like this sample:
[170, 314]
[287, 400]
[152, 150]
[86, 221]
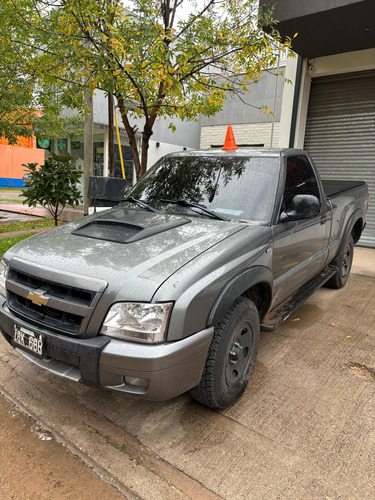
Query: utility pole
[88, 149]
[111, 153]
[275, 95]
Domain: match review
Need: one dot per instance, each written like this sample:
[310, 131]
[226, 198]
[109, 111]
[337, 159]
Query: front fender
[238, 286]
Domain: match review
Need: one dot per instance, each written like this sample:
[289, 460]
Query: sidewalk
[67, 215]
[364, 261]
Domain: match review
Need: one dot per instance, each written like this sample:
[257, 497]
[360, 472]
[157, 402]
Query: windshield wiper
[141, 204]
[184, 203]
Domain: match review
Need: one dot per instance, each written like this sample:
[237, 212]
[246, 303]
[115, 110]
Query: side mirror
[303, 206]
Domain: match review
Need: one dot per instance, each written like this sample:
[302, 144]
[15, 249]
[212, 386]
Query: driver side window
[300, 179]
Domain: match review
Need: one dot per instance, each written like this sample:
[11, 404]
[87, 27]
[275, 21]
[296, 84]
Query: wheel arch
[354, 227]
[357, 229]
[255, 284]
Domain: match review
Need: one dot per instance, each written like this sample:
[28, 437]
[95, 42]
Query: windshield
[235, 188]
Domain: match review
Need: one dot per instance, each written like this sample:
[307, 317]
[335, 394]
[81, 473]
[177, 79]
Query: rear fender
[257, 275]
[357, 215]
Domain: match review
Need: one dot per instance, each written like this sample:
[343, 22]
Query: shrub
[52, 185]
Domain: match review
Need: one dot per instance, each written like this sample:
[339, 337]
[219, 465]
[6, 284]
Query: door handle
[323, 220]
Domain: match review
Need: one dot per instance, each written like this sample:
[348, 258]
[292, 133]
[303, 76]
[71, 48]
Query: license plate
[31, 341]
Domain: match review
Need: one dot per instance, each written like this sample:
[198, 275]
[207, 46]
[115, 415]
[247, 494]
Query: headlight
[3, 275]
[137, 321]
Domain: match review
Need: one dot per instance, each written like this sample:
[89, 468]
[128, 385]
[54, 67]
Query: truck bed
[332, 187]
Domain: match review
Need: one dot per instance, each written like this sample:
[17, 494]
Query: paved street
[304, 428]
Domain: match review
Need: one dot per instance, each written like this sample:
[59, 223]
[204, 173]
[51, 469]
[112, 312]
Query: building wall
[155, 152]
[245, 134]
[361, 60]
[292, 9]
[246, 109]
[186, 134]
[340, 134]
[12, 158]
[325, 27]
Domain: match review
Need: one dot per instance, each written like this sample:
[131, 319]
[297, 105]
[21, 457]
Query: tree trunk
[111, 153]
[55, 211]
[147, 133]
[132, 137]
[140, 162]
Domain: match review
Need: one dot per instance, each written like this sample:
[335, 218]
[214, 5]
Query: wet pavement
[304, 428]
[34, 466]
[14, 211]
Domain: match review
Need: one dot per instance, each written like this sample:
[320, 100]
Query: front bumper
[155, 372]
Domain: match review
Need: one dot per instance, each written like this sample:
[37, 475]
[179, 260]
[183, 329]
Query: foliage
[28, 224]
[6, 243]
[156, 60]
[29, 100]
[53, 184]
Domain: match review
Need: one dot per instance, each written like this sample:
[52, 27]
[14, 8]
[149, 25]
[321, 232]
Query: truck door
[299, 246]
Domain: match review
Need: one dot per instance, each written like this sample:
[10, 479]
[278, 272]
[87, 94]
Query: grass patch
[13, 200]
[6, 243]
[11, 189]
[27, 224]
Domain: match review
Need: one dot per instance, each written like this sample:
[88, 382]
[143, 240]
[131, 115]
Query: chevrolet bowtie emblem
[37, 298]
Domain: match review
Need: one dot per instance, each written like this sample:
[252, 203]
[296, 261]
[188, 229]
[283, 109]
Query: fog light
[136, 381]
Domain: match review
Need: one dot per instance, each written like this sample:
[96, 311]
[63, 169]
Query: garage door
[340, 133]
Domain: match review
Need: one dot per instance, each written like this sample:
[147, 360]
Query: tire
[231, 357]
[344, 265]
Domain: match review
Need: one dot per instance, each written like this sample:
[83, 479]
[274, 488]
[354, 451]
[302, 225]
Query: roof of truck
[258, 152]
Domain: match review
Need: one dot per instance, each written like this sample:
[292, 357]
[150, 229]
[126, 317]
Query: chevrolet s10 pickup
[167, 291]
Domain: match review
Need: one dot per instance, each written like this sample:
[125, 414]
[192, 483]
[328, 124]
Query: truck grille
[68, 308]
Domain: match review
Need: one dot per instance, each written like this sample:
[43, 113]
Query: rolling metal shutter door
[340, 133]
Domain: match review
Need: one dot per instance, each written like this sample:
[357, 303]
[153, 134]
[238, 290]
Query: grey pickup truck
[167, 291]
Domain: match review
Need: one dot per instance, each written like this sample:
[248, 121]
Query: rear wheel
[231, 357]
[344, 264]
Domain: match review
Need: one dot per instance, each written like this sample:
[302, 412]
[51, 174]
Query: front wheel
[343, 262]
[231, 357]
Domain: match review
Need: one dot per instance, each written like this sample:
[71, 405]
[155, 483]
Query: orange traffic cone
[229, 143]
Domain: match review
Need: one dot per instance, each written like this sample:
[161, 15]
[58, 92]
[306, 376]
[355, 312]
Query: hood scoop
[125, 232]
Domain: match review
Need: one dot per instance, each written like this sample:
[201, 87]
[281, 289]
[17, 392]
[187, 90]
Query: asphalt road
[304, 429]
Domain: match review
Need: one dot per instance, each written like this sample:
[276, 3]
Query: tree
[53, 184]
[154, 60]
[29, 103]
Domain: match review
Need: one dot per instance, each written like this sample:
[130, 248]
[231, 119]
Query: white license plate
[31, 341]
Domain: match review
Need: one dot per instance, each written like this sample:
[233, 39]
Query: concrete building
[251, 126]
[330, 109]
[13, 156]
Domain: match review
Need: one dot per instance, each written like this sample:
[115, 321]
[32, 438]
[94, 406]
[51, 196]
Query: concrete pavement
[364, 261]
[10, 208]
[304, 429]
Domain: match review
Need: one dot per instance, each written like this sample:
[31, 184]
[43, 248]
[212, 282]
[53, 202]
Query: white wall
[155, 153]
[247, 133]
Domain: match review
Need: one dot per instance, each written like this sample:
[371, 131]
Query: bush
[52, 185]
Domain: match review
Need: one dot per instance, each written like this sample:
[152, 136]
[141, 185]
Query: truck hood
[132, 250]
